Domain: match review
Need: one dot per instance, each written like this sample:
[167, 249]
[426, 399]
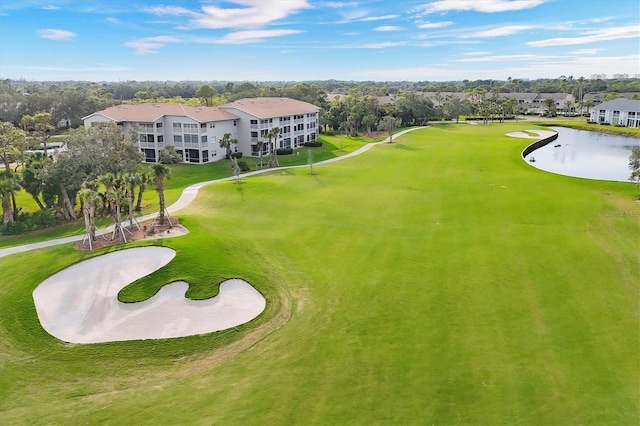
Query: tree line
[69, 101]
[100, 172]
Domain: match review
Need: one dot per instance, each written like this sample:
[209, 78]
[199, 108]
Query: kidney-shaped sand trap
[80, 304]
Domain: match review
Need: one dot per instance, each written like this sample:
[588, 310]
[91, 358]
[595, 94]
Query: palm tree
[260, 145]
[90, 200]
[273, 134]
[144, 181]
[550, 104]
[8, 186]
[114, 196]
[226, 143]
[131, 180]
[160, 172]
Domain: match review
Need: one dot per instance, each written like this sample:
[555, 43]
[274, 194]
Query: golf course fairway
[439, 279]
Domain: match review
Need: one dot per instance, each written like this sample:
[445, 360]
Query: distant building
[598, 76]
[620, 76]
[195, 132]
[619, 111]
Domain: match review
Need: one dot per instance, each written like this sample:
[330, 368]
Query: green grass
[436, 280]
[184, 175]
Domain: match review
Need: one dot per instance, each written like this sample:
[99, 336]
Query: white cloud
[253, 36]
[170, 11]
[337, 4]
[428, 25]
[51, 34]
[148, 45]
[614, 33]
[500, 31]
[50, 7]
[360, 16]
[254, 14]
[113, 21]
[586, 51]
[378, 18]
[497, 58]
[383, 44]
[485, 6]
[388, 28]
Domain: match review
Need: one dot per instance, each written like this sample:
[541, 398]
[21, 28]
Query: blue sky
[295, 40]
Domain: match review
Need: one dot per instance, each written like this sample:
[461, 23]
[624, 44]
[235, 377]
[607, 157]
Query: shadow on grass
[405, 147]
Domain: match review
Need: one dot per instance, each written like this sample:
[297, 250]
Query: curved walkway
[188, 195]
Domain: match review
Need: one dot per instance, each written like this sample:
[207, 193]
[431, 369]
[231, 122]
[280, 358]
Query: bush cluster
[284, 151]
[27, 222]
[316, 144]
[244, 167]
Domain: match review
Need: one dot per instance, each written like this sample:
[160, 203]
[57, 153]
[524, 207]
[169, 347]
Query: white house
[297, 120]
[195, 132]
[618, 111]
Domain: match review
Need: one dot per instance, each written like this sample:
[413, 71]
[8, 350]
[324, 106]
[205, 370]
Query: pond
[585, 154]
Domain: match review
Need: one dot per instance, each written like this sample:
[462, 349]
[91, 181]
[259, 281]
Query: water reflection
[591, 155]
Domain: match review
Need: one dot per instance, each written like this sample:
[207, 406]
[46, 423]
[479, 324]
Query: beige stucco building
[195, 132]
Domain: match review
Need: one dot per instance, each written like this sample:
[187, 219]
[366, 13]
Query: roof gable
[622, 104]
[271, 107]
[149, 113]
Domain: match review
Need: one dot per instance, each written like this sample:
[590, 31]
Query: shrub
[591, 122]
[13, 228]
[44, 219]
[169, 155]
[316, 144]
[604, 123]
[284, 151]
[244, 167]
[236, 155]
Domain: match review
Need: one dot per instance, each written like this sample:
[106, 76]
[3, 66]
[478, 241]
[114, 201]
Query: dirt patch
[143, 231]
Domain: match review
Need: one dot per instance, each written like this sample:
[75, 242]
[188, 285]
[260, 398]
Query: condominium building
[297, 120]
[621, 111]
[195, 132]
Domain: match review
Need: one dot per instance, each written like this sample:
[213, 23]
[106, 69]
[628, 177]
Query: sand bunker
[532, 134]
[80, 305]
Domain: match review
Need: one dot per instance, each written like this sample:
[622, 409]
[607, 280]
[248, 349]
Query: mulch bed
[148, 229]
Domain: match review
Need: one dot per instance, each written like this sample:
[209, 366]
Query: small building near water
[621, 111]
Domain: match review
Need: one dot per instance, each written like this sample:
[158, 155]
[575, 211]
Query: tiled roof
[271, 107]
[147, 113]
[620, 104]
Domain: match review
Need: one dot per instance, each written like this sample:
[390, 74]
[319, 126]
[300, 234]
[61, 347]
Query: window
[234, 122]
[203, 139]
[177, 126]
[188, 138]
[254, 134]
[212, 125]
[177, 138]
[158, 125]
[189, 126]
[203, 125]
[254, 121]
[160, 139]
